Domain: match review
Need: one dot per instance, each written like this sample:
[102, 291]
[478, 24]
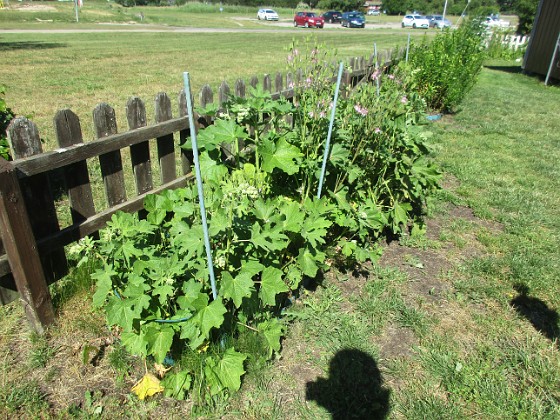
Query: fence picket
[24, 142]
[240, 88]
[105, 124]
[267, 83]
[278, 83]
[68, 132]
[254, 81]
[223, 93]
[165, 146]
[139, 153]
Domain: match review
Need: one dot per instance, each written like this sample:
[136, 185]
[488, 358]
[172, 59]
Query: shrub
[445, 69]
[6, 115]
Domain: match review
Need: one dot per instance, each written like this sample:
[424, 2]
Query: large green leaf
[226, 372]
[281, 155]
[212, 316]
[135, 343]
[121, 313]
[293, 216]
[104, 284]
[236, 288]
[159, 338]
[273, 331]
[271, 285]
[268, 238]
[210, 169]
[177, 384]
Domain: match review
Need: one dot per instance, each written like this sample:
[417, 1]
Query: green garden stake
[328, 144]
[199, 185]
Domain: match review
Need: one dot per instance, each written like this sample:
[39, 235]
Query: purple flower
[375, 75]
[311, 114]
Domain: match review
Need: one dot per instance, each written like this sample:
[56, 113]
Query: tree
[342, 5]
[526, 11]
[395, 7]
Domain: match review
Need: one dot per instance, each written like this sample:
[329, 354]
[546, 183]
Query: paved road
[273, 27]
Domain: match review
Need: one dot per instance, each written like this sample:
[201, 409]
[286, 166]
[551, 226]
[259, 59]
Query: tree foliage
[342, 5]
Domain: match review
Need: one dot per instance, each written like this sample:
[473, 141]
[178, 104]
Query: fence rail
[32, 239]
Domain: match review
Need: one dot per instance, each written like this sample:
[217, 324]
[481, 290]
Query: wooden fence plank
[25, 141]
[223, 94]
[93, 224]
[21, 248]
[139, 153]
[165, 144]
[37, 164]
[105, 124]
[68, 132]
[254, 81]
[278, 83]
[267, 83]
[206, 97]
[186, 155]
[240, 88]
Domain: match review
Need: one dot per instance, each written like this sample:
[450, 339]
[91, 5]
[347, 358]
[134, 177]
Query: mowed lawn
[47, 72]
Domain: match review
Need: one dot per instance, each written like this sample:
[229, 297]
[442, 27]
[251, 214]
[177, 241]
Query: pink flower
[361, 110]
[377, 130]
[295, 52]
[291, 85]
[290, 58]
[308, 81]
[322, 114]
[375, 75]
[391, 76]
[404, 100]
[311, 114]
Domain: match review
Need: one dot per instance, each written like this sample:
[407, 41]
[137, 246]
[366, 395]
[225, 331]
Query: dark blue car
[353, 20]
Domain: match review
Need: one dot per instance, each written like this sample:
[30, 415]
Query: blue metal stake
[407, 48]
[331, 123]
[199, 185]
[376, 68]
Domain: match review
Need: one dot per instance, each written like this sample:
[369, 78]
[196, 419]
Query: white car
[267, 14]
[494, 22]
[415, 21]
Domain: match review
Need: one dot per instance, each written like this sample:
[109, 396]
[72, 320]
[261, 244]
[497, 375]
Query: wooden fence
[32, 249]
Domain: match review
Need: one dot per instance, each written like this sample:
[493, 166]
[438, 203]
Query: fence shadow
[29, 45]
[354, 388]
[543, 318]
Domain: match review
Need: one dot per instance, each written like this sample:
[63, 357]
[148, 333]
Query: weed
[41, 351]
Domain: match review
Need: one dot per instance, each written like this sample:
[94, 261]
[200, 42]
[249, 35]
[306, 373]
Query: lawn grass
[47, 72]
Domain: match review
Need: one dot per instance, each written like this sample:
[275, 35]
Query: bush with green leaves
[446, 68]
[6, 115]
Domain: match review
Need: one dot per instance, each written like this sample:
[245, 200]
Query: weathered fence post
[69, 132]
[21, 248]
[206, 97]
[105, 125]
[139, 153]
[223, 94]
[165, 146]
[240, 88]
[267, 83]
[25, 142]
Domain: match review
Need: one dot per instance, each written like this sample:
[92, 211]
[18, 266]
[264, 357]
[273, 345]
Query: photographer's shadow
[354, 388]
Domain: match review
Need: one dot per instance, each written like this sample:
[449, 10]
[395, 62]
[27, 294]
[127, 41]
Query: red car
[309, 20]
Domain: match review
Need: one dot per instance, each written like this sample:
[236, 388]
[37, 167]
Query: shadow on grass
[543, 318]
[354, 388]
[29, 45]
[506, 69]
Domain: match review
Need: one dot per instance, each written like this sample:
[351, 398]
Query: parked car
[373, 12]
[353, 20]
[267, 14]
[332, 16]
[495, 22]
[309, 20]
[438, 21]
[415, 21]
